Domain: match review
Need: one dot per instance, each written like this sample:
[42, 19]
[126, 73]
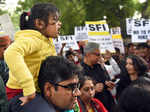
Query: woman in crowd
[86, 101]
[136, 97]
[135, 67]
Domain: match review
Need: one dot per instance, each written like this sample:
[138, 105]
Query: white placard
[98, 31]
[117, 38]
[97, 28]
[81, 33]
[6, 26]
[69, 40]
[140, 30]
[57, 44]
[105, 42]
[129, 25]
[118, 43]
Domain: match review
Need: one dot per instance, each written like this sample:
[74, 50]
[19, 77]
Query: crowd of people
[33, 77]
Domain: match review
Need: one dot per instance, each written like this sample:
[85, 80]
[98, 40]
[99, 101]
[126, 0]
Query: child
[31, 46]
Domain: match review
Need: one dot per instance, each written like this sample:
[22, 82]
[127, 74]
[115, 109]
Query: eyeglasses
[74, 86]
[97, 54]
[86, 89]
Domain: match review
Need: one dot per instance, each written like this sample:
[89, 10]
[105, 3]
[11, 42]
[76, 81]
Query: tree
[72, 13]
[145, 9]
[2, 4]
[76, 12]
[116, 11]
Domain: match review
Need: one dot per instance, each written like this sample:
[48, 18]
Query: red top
[98, 105]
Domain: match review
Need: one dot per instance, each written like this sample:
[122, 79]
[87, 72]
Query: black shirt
[96, 72]
[100, 75]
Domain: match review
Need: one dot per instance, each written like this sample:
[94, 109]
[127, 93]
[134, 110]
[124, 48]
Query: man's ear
[48, 89]
[39, 24]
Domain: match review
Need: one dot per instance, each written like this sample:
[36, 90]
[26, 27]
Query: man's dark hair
[130, 44]
[40, 11]
[55, 69]
[117, 50]
[142, 45]
[136, 97]
[68, 53]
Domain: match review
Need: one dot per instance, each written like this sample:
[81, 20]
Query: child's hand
[26, 99]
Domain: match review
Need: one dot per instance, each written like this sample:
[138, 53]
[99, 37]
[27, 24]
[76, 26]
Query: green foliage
[146, 9]
[15, 20]
[2, 4]
[76, 12]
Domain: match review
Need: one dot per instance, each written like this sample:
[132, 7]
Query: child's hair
[40, 11]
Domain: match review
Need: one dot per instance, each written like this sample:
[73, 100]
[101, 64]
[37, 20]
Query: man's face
[71, 58]
[131, 49]
[94, 56]
[3, 47]
[143, 52]
[52, 29]
[64, 98]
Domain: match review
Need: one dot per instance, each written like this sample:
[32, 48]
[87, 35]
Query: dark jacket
[3, 97]
[38, 104]
[100, 75]
[125, 81]
[4, 71]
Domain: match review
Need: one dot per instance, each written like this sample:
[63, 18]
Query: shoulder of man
[38, 104]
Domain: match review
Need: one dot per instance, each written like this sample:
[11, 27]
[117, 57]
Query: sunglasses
[97, 54]
[86, 89]
[74, 86]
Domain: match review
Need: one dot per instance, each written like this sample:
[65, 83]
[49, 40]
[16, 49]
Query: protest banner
[117, 38]
[81, 33]
[98, 31]
[69, 40]
[140, 30]
[6, 26]
[129, 26]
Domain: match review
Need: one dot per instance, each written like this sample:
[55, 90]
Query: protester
[109, 61]
[31, 46]
[58, 82]
[117, 56]
[92, 68]
[70, 55]
[86, 101]
[131, 48]
[4, 43]
[136, 97]
[3, 97]
[135, 67]
[144, 52]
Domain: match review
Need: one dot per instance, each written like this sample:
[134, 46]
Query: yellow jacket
[24, 57]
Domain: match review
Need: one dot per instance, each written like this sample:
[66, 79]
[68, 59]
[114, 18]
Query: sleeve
[115, 66]
[100, 105]
[14, 57]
